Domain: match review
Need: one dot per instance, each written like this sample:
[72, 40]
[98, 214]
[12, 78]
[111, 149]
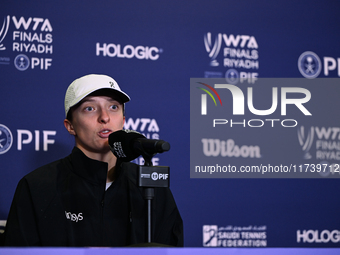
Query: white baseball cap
[82, 87]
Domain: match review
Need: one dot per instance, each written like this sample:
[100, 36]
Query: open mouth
[105, 133]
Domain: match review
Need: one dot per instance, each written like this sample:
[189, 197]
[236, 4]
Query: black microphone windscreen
[121, 144]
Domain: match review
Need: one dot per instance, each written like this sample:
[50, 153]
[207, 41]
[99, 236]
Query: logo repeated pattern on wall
[259, 135]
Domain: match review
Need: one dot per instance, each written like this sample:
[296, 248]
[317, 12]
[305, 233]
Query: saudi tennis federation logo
[204, 97]
[210, 233]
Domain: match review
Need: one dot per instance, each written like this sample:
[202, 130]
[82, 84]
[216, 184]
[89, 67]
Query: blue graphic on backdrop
[152, 55]
[6, 139]
[309, 65]
[22, 62]
[3, 32]
[232, 76]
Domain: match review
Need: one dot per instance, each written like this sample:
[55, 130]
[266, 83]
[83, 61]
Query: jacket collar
[93, 171]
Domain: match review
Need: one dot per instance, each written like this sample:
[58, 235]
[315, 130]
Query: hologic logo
[128, 51]
[313, 236]
[4, 31]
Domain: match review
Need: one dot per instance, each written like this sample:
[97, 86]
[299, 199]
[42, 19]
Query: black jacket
[65, 204]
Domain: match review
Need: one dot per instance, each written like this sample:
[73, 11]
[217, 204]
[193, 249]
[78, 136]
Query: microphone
[129, 144]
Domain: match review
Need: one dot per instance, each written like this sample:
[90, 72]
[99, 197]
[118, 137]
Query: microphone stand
[149, 194]
[150, 177]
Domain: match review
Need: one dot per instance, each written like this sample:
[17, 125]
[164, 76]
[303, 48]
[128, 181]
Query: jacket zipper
[102, 222]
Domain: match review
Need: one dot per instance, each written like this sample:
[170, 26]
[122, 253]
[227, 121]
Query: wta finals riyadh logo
[306, 141]
[213, 50]
[204, 97]
[3, 32]
[6, 139]
[309, 65]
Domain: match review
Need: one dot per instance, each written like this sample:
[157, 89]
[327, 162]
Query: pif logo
[159, 176]
[310, 65]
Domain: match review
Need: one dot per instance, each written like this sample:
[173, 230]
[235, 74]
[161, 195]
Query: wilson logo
[216, 147]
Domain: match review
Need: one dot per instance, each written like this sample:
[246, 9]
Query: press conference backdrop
[153, 49]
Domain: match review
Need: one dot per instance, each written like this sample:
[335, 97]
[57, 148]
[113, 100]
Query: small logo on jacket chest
[74, 217]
